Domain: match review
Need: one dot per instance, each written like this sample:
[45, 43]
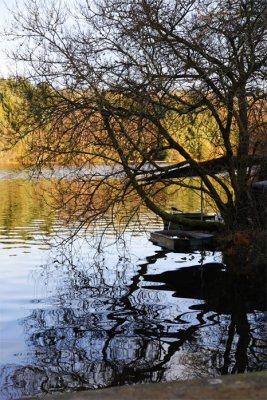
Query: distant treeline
[24, 108]
[13, 106]
[20, 109]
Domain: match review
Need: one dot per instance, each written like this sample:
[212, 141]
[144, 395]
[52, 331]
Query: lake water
[75, 318]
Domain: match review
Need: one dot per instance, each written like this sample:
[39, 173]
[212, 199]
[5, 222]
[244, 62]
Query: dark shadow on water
[221, 290]
[226, 294]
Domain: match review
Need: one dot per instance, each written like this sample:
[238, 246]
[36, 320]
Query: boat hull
[194, 216]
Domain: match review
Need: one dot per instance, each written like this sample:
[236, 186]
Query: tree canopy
[131, 80]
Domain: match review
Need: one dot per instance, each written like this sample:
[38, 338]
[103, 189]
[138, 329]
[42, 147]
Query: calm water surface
[73, 318]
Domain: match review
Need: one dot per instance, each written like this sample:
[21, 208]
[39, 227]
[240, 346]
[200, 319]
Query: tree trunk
[249, 211]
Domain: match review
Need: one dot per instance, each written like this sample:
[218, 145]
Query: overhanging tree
[131, 79]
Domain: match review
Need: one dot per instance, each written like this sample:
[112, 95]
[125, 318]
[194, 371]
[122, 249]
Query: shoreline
[250, 386]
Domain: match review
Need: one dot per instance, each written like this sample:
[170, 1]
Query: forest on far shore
[21, 101]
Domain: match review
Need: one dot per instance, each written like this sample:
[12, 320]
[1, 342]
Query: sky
[6, 66]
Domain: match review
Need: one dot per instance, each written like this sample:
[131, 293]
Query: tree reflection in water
[107, 327]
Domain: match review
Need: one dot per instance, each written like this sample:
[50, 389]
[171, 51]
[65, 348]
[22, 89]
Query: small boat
[179, 240]
[195, 216]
